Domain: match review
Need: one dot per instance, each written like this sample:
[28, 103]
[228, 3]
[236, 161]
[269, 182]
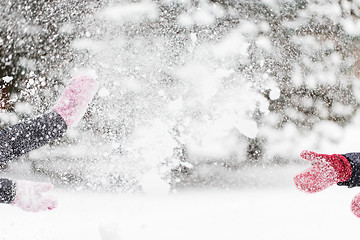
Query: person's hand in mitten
[355, 205]
[73, 102]
[326, 170]
[29, 196]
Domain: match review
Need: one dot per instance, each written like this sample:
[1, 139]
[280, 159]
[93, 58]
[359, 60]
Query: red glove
[326, 171]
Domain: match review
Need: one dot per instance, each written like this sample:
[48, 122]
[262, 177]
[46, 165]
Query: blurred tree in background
[35, 49]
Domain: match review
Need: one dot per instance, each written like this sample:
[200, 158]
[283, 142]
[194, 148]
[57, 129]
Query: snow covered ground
[279, 212]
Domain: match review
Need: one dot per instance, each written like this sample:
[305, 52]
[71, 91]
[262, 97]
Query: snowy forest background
[192, 92]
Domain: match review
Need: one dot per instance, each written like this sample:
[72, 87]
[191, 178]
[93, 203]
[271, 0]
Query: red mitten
[355, 205]
[326, 171]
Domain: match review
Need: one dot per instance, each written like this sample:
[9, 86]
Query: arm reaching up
[21, 138]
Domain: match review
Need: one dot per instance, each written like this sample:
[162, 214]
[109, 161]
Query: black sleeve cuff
[354, 180]
[7, 191]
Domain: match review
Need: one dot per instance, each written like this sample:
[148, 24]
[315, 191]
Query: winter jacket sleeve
[7, 191]
[23, 137]
[354, 180]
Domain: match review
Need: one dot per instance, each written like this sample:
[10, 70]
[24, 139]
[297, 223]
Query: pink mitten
[29, 196]
[72, 104]
[326, 171]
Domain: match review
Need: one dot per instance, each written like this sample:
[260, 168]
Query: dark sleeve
[354, 180]
[23, 137]
[7, 191]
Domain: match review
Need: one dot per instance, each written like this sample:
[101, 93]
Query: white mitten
[29, 196]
